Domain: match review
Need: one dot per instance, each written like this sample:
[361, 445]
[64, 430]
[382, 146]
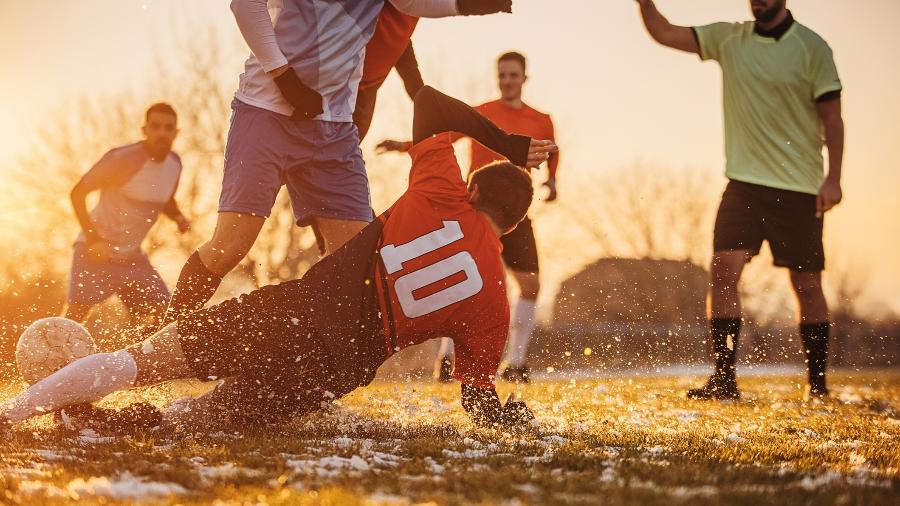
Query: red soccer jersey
[525, 121]
[392, 34]
[440, 271]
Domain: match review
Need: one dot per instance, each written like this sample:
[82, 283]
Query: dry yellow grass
[600, 441]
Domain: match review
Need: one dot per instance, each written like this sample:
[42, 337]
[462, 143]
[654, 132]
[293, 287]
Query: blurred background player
[136, 183]
[292, 124]
[391, 47]
[520, 254]
[430, 266]
[782, 94]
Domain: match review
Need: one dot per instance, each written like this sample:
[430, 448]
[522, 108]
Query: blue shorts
[319, 161]
[135, 281]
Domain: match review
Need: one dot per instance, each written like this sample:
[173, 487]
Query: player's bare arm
[97, 247]
[830, 193]
[667, 34]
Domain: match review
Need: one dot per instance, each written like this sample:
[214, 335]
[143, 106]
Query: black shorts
[750, 214]
[297, 344]
[519, 248]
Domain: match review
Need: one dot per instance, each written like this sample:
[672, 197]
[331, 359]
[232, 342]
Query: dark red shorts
[750, 214]
[519, 248]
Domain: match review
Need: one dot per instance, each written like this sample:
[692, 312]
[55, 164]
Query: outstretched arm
[435, 113]
[667, 34]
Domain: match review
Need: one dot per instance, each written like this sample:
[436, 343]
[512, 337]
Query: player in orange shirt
[391, 47]
[510, 113]
[430, 266]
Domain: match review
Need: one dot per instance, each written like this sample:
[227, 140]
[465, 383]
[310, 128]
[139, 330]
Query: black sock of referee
[720, 330]
[815, 347]
[196, 285]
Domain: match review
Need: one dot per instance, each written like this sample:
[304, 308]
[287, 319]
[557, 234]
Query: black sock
[196, 285]
[815, 347]
[719, 330]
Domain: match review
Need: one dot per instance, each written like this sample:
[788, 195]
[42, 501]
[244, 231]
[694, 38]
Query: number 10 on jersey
[395, 256]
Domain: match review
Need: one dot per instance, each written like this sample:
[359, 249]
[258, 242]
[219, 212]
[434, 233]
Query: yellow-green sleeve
[823, 74]
[710, 38]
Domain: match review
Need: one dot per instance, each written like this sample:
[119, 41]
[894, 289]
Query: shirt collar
[778, 31]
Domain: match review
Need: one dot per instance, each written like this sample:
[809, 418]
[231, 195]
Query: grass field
[600, 441]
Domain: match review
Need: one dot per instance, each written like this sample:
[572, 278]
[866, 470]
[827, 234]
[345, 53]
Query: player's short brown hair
[160, 107]
[505, 190]
[513, 56]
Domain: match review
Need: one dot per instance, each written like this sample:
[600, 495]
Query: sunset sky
[616, 96]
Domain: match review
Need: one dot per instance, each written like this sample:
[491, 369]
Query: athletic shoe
[140, 416]
[717, 388]
[516, 374]
[443, 370]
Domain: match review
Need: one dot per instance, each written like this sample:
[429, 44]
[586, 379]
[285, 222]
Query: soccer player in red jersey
[391, 47]
[430, 266]
[511, 114]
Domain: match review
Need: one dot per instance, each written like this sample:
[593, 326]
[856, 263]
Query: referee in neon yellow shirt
[782, 94]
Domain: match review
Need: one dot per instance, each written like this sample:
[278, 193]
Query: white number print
[395, 256]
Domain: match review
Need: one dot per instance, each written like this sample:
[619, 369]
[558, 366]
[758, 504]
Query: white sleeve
[426, 8]
[253, 20]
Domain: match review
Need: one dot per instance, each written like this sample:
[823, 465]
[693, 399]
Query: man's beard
[770, 13]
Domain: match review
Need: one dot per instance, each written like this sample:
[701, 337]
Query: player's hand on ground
[307, 102]
[389, 145]
[516, 416]
[482, 7]
[539, 152]
[830, 195]
[551, 185]
[99, 251]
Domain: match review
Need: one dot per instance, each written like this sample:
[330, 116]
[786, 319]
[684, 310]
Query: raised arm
[435, 113]
[667, 34]
[444, 8]
[830, 193]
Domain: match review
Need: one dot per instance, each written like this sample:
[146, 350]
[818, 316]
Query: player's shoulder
[810, 37]
[132, 150]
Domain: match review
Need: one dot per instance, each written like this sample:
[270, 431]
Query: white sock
[85, 380]
[446, 349]
[520, 332]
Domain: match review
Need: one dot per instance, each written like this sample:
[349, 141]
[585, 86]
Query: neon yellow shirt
[773, 133]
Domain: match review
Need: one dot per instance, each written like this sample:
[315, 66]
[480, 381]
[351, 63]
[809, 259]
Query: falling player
[136, 182]
[782, 95]
[428, 267]
[520, 253]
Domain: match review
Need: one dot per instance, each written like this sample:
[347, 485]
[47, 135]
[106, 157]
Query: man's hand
[539, 152]
[99, 251]
[391, 145]
[482, 7]
[830, 195]
[551, 184]
[183, 224]
[515, 416]
[307, 102]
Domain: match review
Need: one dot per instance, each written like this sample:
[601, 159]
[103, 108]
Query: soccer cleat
[443, 370]
[131, 419]
[717, 388]
[519, 374]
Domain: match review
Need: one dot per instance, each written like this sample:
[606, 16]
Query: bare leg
[234, 236]
[724, 276]
[337, 232]
[813, 307]
[814, 328]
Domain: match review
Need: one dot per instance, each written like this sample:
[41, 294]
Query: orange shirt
[393, 32]
[525, 121]
[440, 271]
